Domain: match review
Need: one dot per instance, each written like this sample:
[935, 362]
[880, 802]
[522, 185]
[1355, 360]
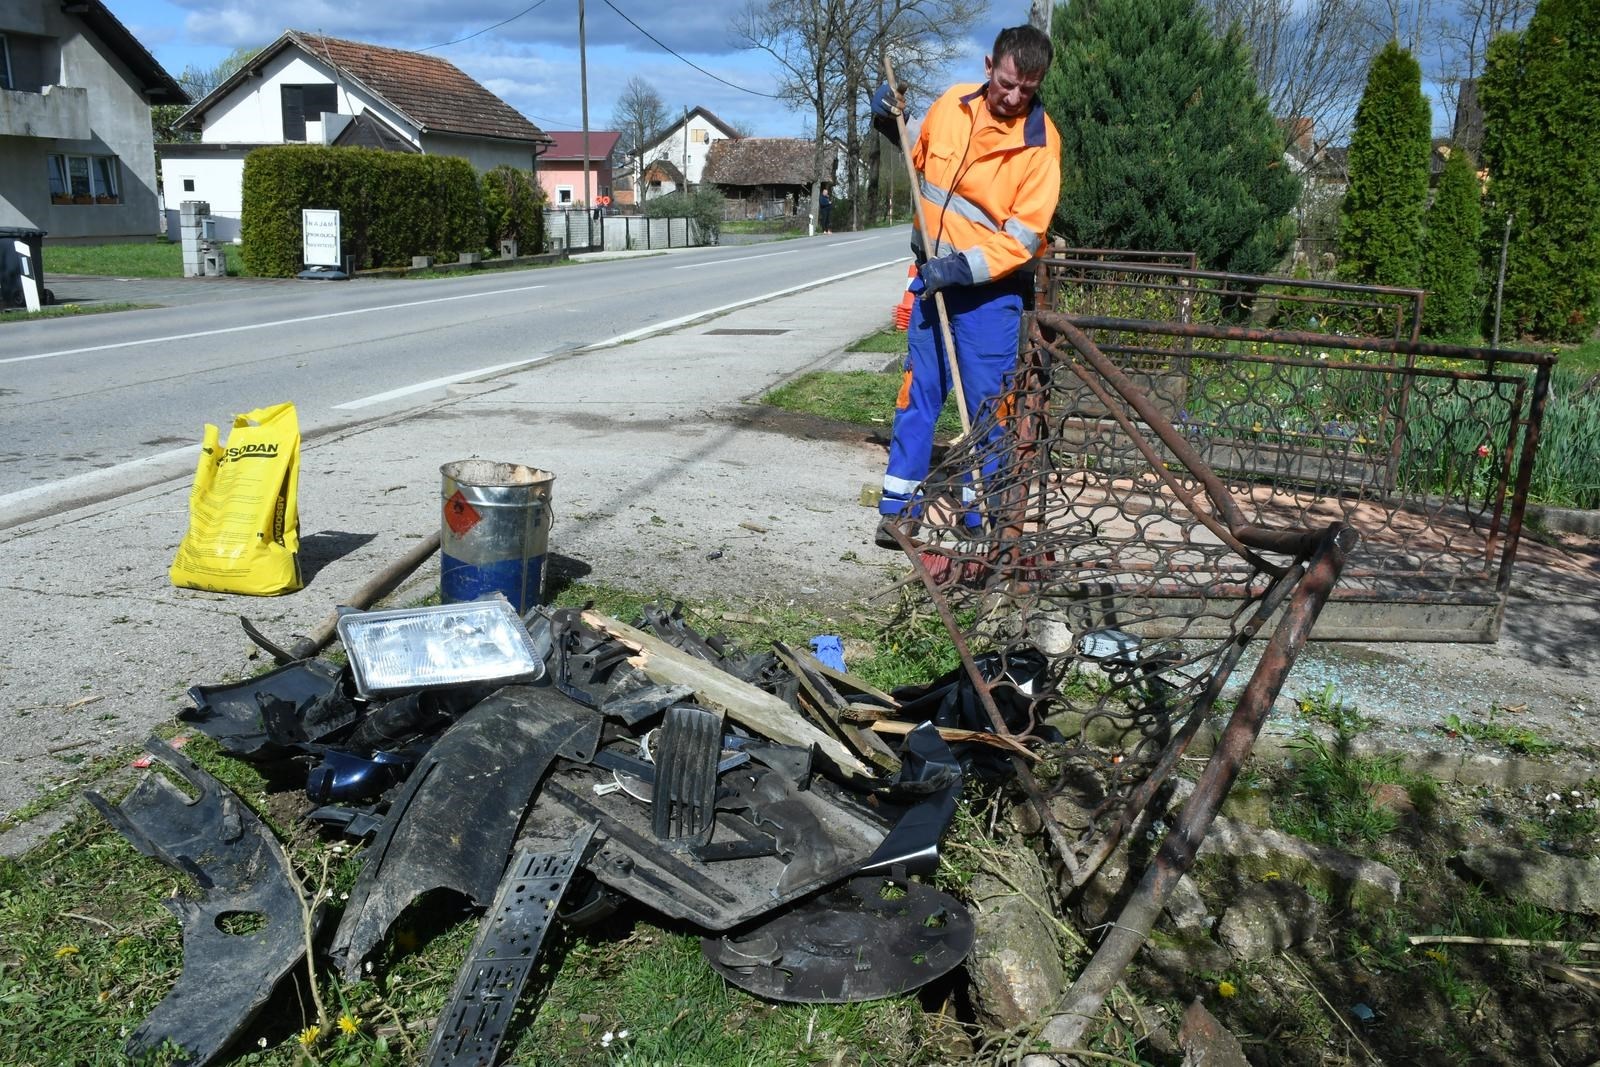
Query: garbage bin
[495, 531]
[10, 265]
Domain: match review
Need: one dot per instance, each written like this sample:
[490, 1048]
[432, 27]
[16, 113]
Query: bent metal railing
[1156, 286]
[1093, 570]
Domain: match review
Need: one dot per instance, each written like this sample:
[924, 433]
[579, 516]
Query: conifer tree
[1541, 99]
[1380, 223]
[1167, 143]
[1451, 244]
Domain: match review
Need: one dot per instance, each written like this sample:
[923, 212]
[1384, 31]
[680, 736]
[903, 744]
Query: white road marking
[645, 331]
[841, 244]
[264, 325]
[11, 500]
[407, 390]
[736, 259]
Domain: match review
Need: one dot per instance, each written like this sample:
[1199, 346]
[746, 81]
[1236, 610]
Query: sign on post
[320, 236]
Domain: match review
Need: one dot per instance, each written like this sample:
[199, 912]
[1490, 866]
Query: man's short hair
[1028, 46]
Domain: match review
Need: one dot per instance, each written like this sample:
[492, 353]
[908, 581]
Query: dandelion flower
[1436, 955]
[66, 950]
[348, 1023]
[1227, 989]
[308, 1036]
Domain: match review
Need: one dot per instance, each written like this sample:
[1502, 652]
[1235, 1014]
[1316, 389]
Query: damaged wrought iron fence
[1143, 285]
[1093, 570]
[1427, 449]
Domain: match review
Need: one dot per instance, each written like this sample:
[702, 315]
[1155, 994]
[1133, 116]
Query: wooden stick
[1506, 942]
[900, 729]
[1571, 975]
[922, 225]
[716, 688]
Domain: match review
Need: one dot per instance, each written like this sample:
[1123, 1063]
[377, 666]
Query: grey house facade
[77, 158]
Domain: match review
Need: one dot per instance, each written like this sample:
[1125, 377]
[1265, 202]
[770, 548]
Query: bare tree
[1462, 32]
[639, 116]
[1310, 58]
[198, 82]
[806, 38]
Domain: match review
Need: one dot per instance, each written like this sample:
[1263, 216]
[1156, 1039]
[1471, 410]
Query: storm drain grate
[745, 333]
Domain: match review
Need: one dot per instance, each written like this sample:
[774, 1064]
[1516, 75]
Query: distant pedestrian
[825, 212]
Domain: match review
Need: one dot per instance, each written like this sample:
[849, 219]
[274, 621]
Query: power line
[664, 48]
[486, 29]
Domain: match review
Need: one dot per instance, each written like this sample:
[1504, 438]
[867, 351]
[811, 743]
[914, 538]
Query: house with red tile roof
[561, 166]
[305, 88]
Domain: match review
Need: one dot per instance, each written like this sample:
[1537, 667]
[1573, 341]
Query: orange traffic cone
[902, 314]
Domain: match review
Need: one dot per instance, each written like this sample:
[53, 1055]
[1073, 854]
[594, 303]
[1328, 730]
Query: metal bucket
[495, 531]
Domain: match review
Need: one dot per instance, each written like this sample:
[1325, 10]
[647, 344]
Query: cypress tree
[1541, 99]
[1380, 223]
[1450, 250]
[1166, 141]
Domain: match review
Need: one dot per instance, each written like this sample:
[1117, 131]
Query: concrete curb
[1565, 520]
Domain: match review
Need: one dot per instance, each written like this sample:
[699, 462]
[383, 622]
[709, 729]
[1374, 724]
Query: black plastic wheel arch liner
[268, 717]
[872, 937]
[242, 870]
[454, 822]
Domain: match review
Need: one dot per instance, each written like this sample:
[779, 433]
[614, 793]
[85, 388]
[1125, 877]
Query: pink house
[561, 166]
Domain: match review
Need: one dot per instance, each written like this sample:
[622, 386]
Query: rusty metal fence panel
[1144, 285]
[1426, 449]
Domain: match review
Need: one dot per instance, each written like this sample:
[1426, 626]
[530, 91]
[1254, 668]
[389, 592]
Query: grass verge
[861, 397]
[67, 311]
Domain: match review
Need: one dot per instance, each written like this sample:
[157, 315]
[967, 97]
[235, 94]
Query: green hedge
[392, 205]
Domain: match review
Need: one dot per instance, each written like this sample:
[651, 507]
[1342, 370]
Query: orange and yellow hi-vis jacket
[989, 185]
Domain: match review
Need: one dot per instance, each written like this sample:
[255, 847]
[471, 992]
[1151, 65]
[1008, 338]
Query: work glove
[886, 106]
[943, 272]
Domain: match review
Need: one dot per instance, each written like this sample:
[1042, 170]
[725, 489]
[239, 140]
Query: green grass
[147, 259]
[135, 259]
[67, 311]
[1583, 359]
[888, 341]
[1509, 735]
[865, 398]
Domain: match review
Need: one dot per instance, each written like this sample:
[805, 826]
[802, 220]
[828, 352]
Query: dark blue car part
[502, 955]
[242, 871]
[454, 821]
[344, 776]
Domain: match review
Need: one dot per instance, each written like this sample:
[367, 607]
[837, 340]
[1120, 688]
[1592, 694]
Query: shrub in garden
[1167, 143]
[1380, 223]
[392, 205]
[1450, 251]
[513, 208]
[1540, 92]
[702, 205]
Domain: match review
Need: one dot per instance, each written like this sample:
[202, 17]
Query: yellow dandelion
[308, 1036]
[1271, 876]
[66, 950]
[1226, 989]
[1436, 955]
[349, 1024]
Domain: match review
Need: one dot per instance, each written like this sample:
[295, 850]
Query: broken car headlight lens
[449, 644]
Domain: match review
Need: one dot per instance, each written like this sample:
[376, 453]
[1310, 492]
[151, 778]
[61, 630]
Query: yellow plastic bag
[244, 525]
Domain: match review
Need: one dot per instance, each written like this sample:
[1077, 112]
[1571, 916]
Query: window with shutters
[302, 103]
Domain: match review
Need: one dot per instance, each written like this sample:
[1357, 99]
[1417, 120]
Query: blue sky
[532, 61]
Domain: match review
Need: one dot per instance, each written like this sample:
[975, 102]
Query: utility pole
[686, 149]
[583, 89]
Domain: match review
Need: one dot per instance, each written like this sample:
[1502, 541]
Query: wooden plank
[716, 688]
[900, 729]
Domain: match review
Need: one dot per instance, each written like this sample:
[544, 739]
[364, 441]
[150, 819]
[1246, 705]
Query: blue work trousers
[985, 321]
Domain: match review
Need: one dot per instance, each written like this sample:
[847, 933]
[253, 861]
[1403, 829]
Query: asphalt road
[95, 406]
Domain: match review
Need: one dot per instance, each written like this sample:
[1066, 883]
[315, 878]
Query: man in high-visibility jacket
[990, 164]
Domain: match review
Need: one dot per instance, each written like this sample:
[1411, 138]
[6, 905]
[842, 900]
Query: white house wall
[253, 112]
[218, 179]
[672, 148]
